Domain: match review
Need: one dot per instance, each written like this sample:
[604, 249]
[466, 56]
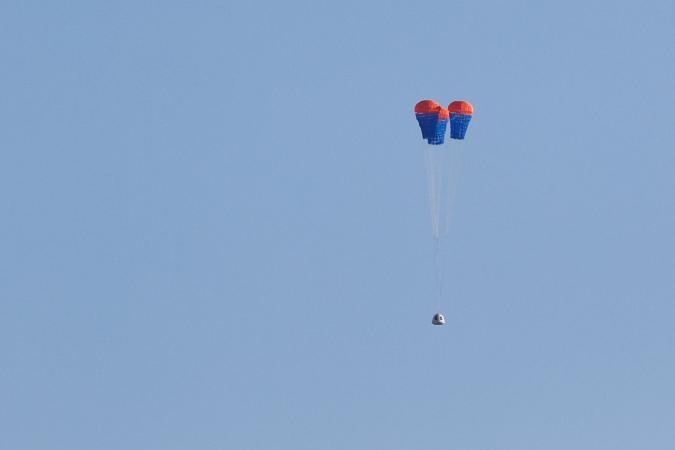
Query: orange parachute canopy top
[427, 107]
[461, 107]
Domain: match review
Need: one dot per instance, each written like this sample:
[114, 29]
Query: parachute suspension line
[452, 165]
[443, 164]
[434, 159]
[439, 272]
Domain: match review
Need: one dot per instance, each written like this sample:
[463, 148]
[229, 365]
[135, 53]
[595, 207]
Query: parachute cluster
[433, 120]
[442, 164]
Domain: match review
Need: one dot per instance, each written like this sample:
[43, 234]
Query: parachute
[433, 120]
[461, 112]
[442, 166]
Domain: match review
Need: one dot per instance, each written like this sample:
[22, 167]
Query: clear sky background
[215, 231]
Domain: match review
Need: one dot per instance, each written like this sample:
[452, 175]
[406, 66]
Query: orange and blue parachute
[461, 112]
[433, 120]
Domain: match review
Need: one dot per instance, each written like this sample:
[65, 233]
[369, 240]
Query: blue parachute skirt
[427, 124]
[458, 125]
[433, 129]
[439, 133]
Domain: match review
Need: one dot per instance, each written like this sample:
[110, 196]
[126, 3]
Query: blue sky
[215, 231]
